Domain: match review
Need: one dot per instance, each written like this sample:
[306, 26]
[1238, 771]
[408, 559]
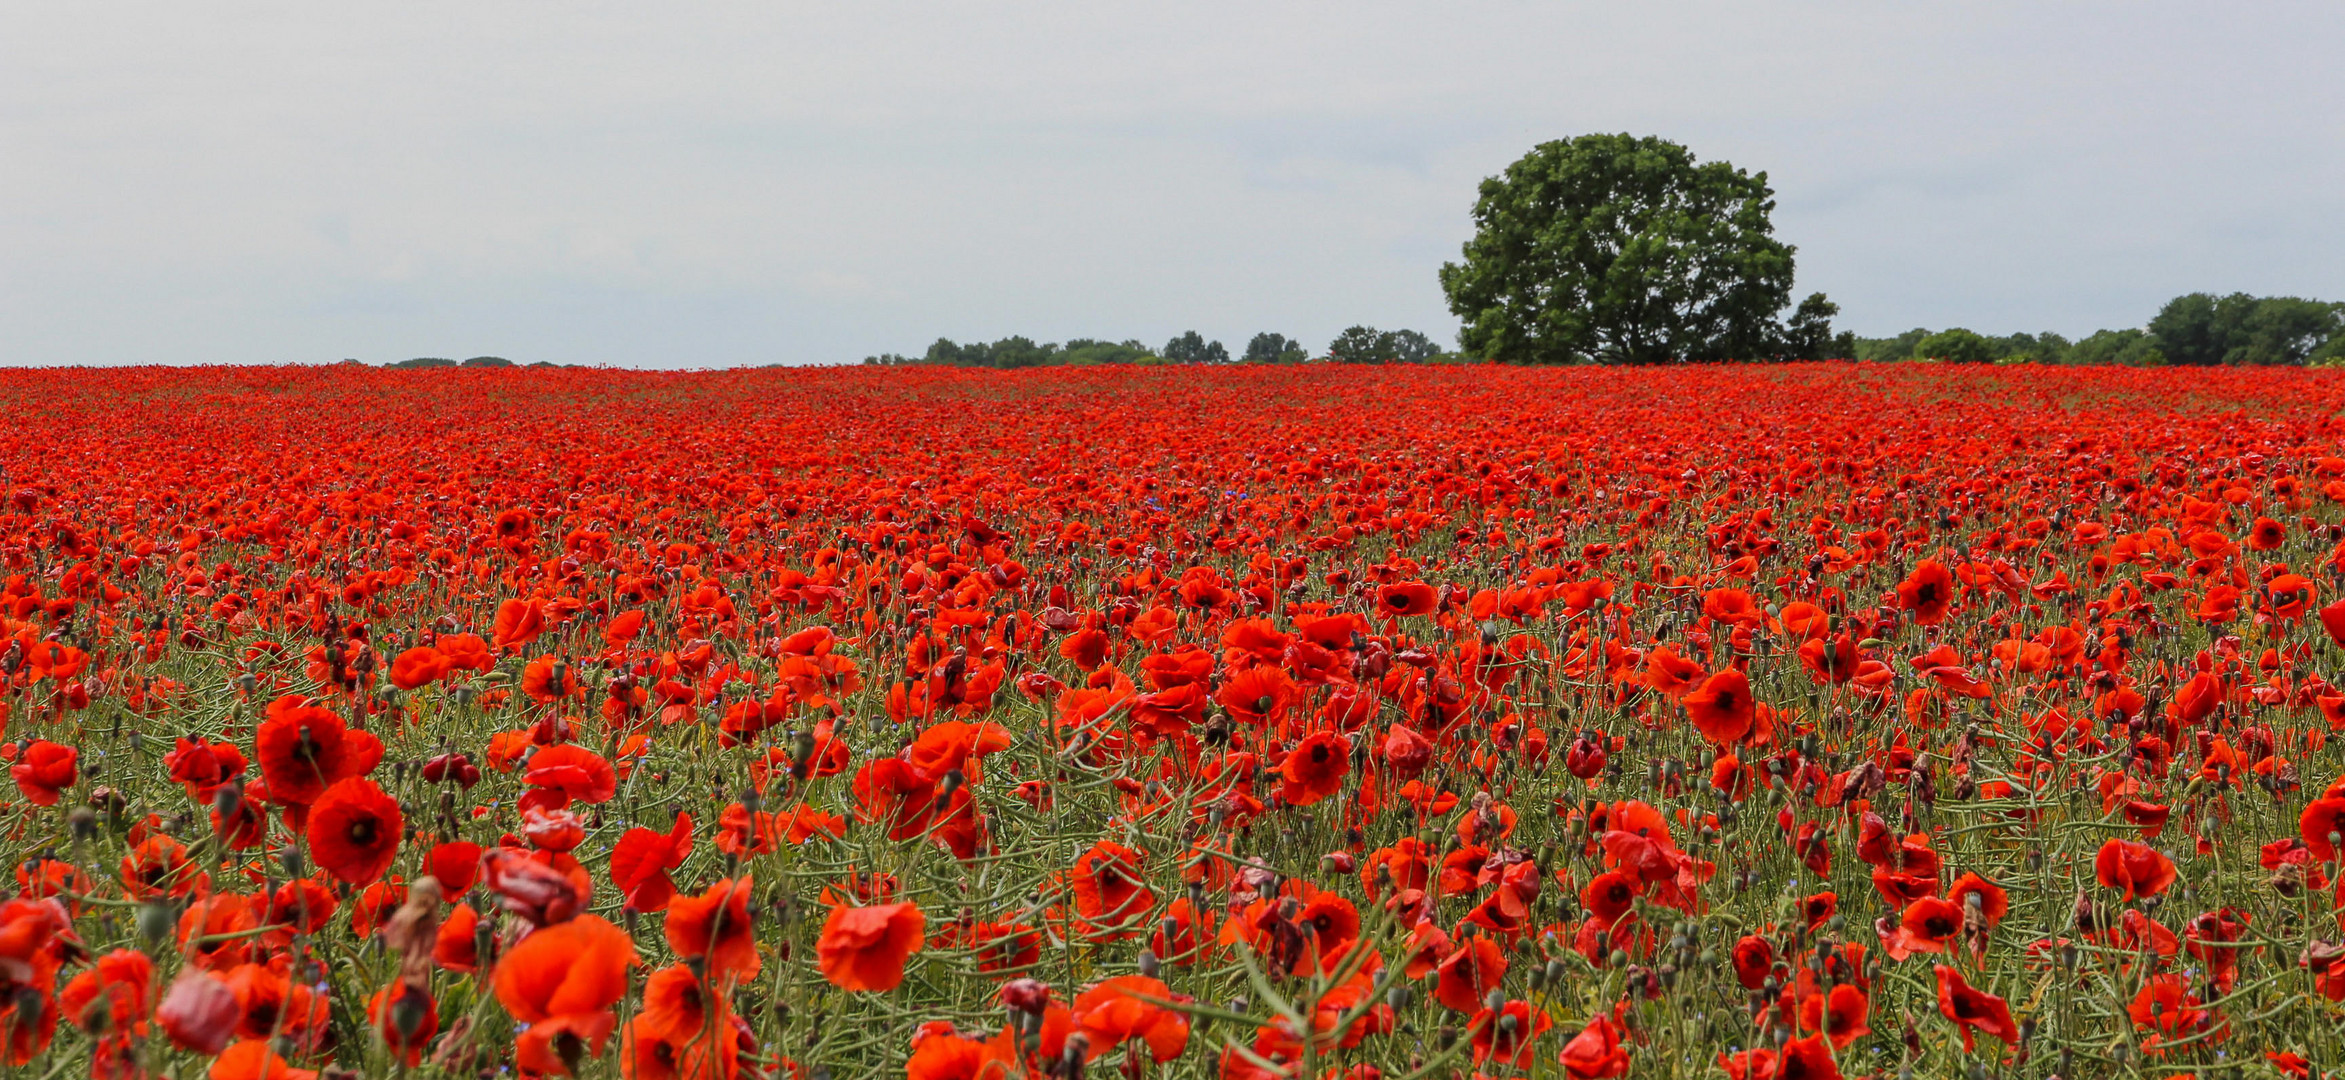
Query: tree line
[2199, 329]
[1356, 345]
[1620, 249]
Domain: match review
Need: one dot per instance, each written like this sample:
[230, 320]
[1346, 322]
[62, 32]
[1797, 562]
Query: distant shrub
[424, 362]
[1955, 346]
[488, 361]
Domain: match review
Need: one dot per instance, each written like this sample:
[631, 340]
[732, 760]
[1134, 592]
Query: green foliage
[1618, 249]
[1018, 351]
[1367, 345]
[1087, 351]
[1890, 348]
[1955, 346]
[2204, 329]
[2129, 348]
[1192, 348]
[2200, 329]
[1808, 335]
[425, 362]
[488, 361]
[1269, 348]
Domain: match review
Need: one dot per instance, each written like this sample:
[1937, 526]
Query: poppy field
[1763, 722]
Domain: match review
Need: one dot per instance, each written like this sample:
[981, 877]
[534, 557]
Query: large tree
[1618, 249]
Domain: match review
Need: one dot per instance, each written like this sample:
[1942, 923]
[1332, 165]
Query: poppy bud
[199, 1013]
[156, 920]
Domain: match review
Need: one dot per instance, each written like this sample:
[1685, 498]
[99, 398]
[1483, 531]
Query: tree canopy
[1192, 348]
[2197, 328]
[1019, 351]
[1269, 348]
[1620, 249]
[1368, 345]
[2205, 329]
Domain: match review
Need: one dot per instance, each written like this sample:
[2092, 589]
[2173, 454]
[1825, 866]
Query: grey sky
[719, 184]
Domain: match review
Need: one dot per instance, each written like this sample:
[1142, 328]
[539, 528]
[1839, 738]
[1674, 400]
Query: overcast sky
[698, 185]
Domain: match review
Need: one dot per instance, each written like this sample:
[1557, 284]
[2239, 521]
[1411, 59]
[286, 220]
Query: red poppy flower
[456, 946]
[1843, 1015]
[1993, 902]
[519, 622]
[715, 928]
[456, 864]
[1927, 592]
[418, 667]
[1722, 709]
[1315, 769]
[1927, 925]
[562, 981]
[1112, 1012]
[304, 749]
[2136, 869]
[1470, 972]
[202, 766]
[1109, 888]
[640, 862]
[1595, 1053]
[465, 652]
[254, 1059]
[354, 831]
[2322, 820]
[212, 931]
[1800, 1059]
[1754, 960]
[1407, 598]
[44, 770]
[407, 1018]
[1508, 1035]
[2166, 1006]
[562, 774]
[113, 995]
[1976, 1011]
[864, 948]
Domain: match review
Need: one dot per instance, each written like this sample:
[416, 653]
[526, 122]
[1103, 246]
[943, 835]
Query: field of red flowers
[1769, 723]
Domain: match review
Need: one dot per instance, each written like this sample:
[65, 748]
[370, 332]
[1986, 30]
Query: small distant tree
[2129, 348]
[488, 361]
[1358, 345]
[1084, 352]
[1408, 347]
[1955, 346]
[425, 362]
[1808, 334]
[942, 351]
[1192, 348]
[1269, 348]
